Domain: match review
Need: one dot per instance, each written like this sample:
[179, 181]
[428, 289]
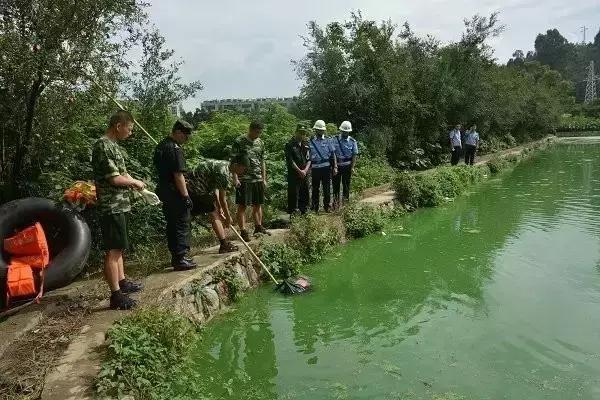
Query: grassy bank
[148, 348]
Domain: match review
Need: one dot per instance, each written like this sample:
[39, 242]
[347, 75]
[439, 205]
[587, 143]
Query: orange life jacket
[28, 248]
[20, 282]
[31, 241]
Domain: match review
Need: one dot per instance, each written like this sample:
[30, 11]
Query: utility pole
[590, 88]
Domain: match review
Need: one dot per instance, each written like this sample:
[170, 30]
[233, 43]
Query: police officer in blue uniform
[297, 156]
[323, 165]
[346, 150]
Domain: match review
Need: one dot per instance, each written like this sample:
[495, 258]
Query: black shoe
[227, 247]
[128, 286]
[261, 229]
[183, 265]
[119, 301]
[244, 234]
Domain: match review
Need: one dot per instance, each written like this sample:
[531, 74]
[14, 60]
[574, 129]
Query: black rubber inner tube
[68, 236]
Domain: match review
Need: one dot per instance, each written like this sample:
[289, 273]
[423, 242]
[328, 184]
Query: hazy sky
[242, 48]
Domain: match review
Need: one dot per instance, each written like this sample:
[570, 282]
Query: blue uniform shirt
[455, 138]
[321, 151]
[345, 149]
[472, 138]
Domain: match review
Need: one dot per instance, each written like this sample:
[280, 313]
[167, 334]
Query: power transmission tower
[590, 88]
[584, 30]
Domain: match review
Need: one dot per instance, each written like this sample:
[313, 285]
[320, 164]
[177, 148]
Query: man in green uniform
[250, 177]
[297, 156]
[207, 186]
[113, 186]
[172, 190]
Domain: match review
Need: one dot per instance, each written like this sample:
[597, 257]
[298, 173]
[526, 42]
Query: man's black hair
[182, 126]
[256, 125]
[120, 117]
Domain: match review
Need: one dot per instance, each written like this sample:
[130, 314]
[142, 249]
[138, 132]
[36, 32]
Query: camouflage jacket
[108, 162]
[251, 154]
[207, 176]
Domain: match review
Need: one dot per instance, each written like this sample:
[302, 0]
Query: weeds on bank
[144, 354]
[361, 220]
[434, 187]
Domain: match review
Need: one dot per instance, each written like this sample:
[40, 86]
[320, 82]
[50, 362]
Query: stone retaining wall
[211, 292]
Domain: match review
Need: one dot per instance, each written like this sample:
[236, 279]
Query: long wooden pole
[254, 255]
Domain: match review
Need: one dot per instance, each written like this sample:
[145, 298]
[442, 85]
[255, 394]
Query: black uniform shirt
[168, 159]
[298, 153]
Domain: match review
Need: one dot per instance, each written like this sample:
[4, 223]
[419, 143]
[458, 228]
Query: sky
[244, 49]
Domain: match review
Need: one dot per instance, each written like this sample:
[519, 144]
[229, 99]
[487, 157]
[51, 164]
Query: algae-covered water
[493, 296]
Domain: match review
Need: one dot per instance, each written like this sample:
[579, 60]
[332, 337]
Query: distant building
[176, 109]
[247, 105]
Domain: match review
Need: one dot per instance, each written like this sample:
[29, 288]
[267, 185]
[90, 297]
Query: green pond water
[493, 296]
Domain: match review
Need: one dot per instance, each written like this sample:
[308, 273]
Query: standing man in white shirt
[471, 144]
[455, 144]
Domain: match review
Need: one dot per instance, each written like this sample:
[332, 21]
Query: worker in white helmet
[323, 166]
[346, 150]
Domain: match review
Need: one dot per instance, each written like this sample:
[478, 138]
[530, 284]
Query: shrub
[145, 351]
[429, 187]
[361, 220]
[407, 189]
[283, 260]
[496, 165]
[371, 172]
[449, 179]
[313, 236]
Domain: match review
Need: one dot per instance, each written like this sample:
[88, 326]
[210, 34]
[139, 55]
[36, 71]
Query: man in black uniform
[297, 156]
[172, 190]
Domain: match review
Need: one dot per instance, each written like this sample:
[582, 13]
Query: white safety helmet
[346, 126]
[320, 125]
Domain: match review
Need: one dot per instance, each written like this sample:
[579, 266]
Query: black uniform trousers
[343, 177]
[470, 154]
[321, 177]
[178, 218]
[298, 193]
[456, 155]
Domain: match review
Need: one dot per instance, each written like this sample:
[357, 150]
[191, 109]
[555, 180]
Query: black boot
[181, 264]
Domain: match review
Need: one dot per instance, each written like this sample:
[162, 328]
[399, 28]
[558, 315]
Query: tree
[597, 39]
[154, 88]
[553, 49]
[50, 44]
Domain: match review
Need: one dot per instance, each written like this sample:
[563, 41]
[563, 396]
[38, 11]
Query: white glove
[150, 197]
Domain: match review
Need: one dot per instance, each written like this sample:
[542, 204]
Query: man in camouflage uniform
[113, 186]
[207, 186]
[250, 177]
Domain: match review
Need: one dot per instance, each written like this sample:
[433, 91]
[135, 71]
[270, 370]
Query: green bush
[370, 172]
[361, 220]
[145, 352]
[450, 182]
[313, 236]
[431, 193]
[407, 189]
[496, 165]
[283, 260]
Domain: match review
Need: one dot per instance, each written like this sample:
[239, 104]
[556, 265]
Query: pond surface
[493, 296]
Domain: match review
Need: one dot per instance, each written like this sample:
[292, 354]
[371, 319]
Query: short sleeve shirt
[472, 138]
[455, 138]
[208, 176]
[168, 160]
[108, 162]
[321, 151]
[345, 148]
[251, 154]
